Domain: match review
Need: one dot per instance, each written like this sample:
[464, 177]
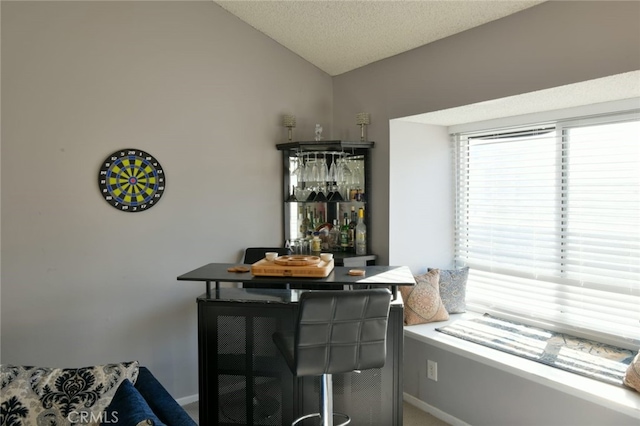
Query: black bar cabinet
[243, 380]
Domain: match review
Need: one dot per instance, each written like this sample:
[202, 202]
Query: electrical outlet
[432, 370]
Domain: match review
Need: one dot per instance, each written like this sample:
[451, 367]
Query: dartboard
[131, 180]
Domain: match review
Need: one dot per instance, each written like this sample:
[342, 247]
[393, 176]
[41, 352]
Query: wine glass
[311, 170]
[356, 171]
[323, 170]
[292, 195]
[335, 194]
[322, 179]
[314, 169]
[298, 170]
[307, 170]
[332, 170]
[346, 175]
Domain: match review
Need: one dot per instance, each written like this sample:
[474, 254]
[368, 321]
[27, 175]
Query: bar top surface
[374, 275]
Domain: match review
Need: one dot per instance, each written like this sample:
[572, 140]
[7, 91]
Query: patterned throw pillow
[453, 289]
[60, 396]
[632, 376]
[422, 303]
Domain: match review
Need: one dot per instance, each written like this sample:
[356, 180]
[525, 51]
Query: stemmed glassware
[297, 171]
[315, 174]
[332, 170]
[316, 177]
[336, 177]
[311, 170]
[296, 178]
[346, 175]
[311, 176]
[322, 179]
[323, 171]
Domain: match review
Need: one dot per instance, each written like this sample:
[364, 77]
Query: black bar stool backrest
[254, 254]
[341, 331]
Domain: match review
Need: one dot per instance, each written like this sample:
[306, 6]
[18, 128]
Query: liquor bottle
[344, 234]
[352, 229]
[361, 234]
[324, 228]
[334, 236]
[304, 225]
[316, 219]
[316, 244]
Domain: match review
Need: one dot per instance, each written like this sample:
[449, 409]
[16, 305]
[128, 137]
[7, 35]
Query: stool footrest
[323, 422]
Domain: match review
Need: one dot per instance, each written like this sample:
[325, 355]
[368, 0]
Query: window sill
[621, 399]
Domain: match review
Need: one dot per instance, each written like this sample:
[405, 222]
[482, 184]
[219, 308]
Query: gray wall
[549, 45]
[477, 394]
[83, 283]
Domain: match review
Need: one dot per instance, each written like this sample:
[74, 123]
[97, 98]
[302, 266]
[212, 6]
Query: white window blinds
[548, 220]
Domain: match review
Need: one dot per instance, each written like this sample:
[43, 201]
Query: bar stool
[254, 254]
[336, 332]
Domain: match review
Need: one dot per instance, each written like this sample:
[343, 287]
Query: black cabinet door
[243, 378]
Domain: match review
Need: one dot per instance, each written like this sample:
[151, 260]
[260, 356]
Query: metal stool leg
[326, 413]
[326, 400]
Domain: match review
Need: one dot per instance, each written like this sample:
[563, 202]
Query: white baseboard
[435, 412]
[187, 400]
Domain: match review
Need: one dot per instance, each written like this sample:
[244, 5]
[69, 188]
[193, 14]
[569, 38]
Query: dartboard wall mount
[131, 180]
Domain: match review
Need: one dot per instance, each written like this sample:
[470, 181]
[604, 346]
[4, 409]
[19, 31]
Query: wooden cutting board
[264, 268]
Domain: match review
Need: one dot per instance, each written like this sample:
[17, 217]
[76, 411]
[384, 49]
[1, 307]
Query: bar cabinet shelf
[323, 181]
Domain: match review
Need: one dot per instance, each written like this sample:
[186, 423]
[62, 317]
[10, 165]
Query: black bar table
[376, 275]
[243, 380]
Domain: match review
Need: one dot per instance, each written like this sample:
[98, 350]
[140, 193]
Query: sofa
[123, 394]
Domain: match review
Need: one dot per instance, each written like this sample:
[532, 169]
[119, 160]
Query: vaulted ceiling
[339, 36]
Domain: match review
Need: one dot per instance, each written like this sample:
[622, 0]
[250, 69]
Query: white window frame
[561, 125]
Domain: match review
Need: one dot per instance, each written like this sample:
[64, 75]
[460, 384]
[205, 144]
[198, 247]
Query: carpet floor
[412, 416]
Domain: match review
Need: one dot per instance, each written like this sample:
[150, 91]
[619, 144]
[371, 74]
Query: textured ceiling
[339, 36]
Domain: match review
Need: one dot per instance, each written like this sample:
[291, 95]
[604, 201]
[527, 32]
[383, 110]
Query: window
[548, 220]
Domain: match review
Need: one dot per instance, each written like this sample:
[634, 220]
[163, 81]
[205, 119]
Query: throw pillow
[422, 303]
[632, 376]
[60, 396]
[453, 288]
[129, 408]
[160, 401]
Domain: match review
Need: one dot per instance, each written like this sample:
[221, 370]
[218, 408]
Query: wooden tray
[264, 268]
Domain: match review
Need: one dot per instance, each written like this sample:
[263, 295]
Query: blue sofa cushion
[160, 401]
[129, 408]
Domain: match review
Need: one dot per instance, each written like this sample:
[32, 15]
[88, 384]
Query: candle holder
[289, 121]
[362, 120]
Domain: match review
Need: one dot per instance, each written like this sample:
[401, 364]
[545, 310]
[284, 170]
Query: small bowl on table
[326, 257]
[271, 256]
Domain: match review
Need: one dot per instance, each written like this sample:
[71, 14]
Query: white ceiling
[339, 36]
